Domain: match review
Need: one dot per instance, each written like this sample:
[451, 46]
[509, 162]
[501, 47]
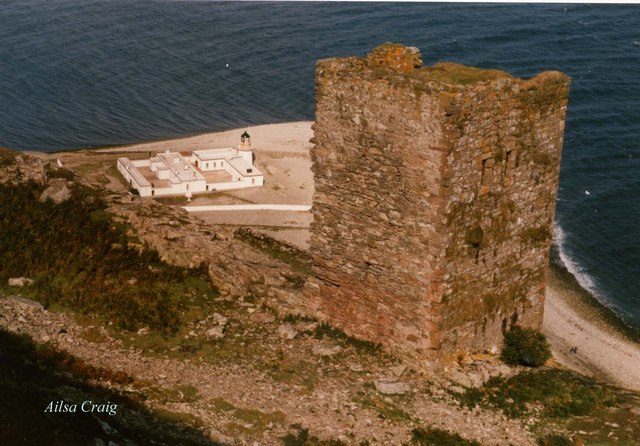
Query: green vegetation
[326, 330]
[179, 418]
[301, 437]
[438, 437]
[474, 236]
[555, 440]
[386, 410]
[537, 235]
[299, 260]
[557, 393]
[7, 157]
[459, 74]
[81, 259]
[60, 172]
[289, 368]
[250, 420]
[525, 346]
[184, 393]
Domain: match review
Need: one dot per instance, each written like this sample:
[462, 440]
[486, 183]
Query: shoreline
[607, 348]
[592, 305]
[273, 133]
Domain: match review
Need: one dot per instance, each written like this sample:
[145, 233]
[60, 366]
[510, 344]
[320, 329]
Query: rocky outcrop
[16, 168]
[235, 267]
[435, 192]
[57, 190]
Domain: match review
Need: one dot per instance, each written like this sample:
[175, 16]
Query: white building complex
[188, 173]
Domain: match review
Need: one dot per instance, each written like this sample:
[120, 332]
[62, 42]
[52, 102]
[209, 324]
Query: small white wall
[247, 155]
[210, 165]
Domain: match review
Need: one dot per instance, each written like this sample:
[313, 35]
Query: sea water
[79, 73]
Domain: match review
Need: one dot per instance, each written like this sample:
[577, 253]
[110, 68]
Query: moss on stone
[538, 234]
[474, 236]
[459, 74]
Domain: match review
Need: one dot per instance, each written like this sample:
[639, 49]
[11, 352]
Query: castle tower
[434, 197]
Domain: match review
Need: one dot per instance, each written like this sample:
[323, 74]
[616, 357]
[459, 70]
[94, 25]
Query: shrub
[559, 393]
[555, 440]
[60, 172]
[525, 346]
[7, 157]
[301, 437]
[439, 437]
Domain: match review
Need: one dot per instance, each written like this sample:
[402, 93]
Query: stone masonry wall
[435, 190]
[502, 181]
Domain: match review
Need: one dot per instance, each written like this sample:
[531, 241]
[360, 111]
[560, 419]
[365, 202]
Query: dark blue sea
[78, 73]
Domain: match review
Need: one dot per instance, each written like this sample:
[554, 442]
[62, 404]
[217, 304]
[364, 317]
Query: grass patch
[557, 393]
[179, 418]
[290, 369]
[93, 334]
[251, 420]
[385, 409]
[184, 393]
[325, 330]
[294, 318]
[302, 437]
[60, 172]
[439, 437]
[299, 260]
[555, 440]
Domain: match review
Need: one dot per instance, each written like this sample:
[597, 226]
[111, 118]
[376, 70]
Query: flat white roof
[215, 154]
[180, 167]
[244, 167]
[134, 172]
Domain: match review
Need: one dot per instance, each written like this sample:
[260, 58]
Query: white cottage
[188, 173]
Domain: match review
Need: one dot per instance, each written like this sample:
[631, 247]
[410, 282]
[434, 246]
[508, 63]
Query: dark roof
[245, 135]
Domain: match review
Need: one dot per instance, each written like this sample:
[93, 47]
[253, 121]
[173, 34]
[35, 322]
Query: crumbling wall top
[397, 61]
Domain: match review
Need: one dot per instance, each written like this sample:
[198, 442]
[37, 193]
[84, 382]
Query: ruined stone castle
[435, 194]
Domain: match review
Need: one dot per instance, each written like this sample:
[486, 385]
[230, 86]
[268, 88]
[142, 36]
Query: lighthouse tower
[244, 148]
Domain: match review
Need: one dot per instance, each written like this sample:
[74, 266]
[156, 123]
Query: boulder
[219, 319]
[57, 191]
[20, 281]
[262, 318]
[321, 350]
[216, 332]
[392, 387]
[286, 331]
